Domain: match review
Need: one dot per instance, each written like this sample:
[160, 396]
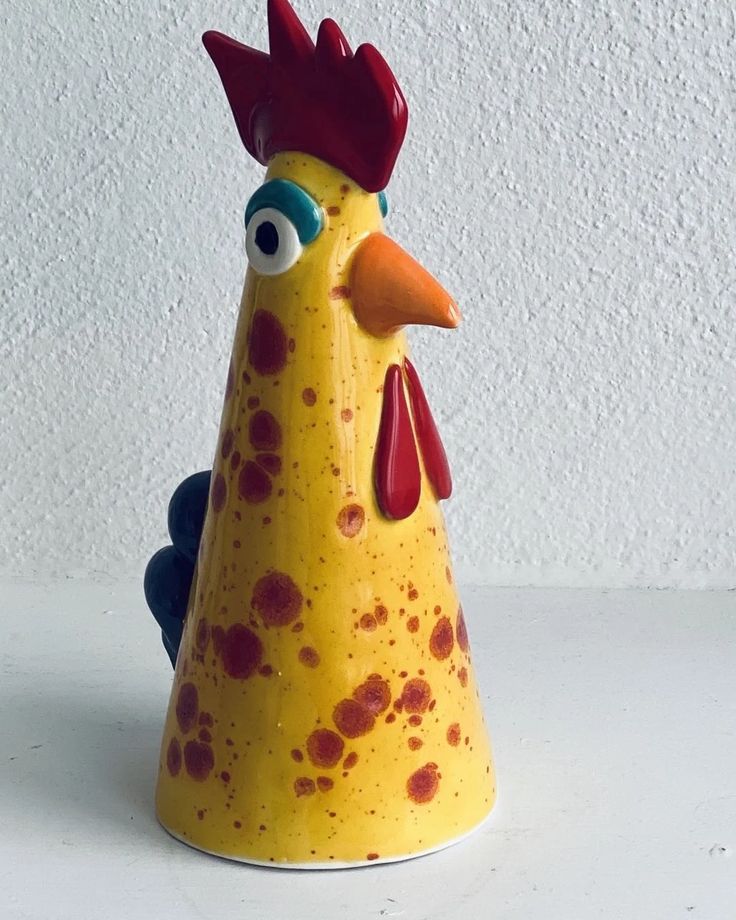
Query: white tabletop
[613, 716]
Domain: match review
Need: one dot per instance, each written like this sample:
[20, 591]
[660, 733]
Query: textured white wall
[568, 174]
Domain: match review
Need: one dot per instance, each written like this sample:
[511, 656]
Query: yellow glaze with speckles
[366, 604]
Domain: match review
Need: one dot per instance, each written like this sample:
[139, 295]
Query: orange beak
[390, 289]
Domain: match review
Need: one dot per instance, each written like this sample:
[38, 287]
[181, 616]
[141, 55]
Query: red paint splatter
[333, 210]
[187, 707]
[414, 743]
[205, 718]
[461, 631]
[414, 720]
[309, 656]
[173, 757]
[253, 484]
[228, 439]
[350, 760]
[422, 785]
[235, 460]
[352, 719]
[441, 641]
[240, 649]
[204, 735]
[391, 717]
[341, 292]
[350, 520]
[297, 755]
[303, 785]
[219, 492]
[381, 614]
[368, 622]
[265, 670]
[397, 476]
[325, 783]
[198, 759]
[309, 397]
[416, 695]
[269, 462]
[277, 599]
[373, 694]
[253, 402]
[430, 443]
[412, 624]
[413, 594]
[462, 676]
[268, 344]
[372, 856]
[229, 385]
[453, 734]
[292, 345]
[346, 415]
[264, 431]
[324, 747]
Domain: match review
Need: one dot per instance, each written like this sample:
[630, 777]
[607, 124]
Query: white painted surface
[612, 715]
[568, 174]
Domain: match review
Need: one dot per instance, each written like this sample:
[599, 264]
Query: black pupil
[267, 238]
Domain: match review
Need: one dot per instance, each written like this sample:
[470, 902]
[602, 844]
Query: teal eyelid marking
[383, 203]
[289, 198]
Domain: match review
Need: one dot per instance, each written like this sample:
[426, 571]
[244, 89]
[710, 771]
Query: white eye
[271, 242]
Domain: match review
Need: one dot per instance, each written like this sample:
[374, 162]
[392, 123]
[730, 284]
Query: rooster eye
[271, 242]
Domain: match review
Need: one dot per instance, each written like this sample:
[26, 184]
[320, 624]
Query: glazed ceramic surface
[324, 709]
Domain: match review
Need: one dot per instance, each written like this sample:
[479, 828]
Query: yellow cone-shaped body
[324, 709]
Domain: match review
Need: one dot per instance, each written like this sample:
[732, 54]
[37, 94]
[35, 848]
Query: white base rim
[334, 864]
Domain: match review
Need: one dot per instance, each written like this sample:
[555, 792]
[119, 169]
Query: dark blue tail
[169, 573]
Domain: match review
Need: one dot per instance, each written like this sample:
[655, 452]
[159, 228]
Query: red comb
[344, 108]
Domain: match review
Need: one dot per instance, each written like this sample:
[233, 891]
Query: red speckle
[461, 631]
[202, 636]
[173, 757]
[240, 649]
[352, 719]
[237, 824]
[309, 656]
[265, 670]
[346, 415]
[423, 783]
[269, 462]
[309, 397]
[350, 760]
[303, 785]
[228, 439]
[374, 695]
[225, 776]
[441, 641]
[413, 594]
[253, 402]
[235, 460]
[453, 734]
[368, 622]
[462, 676]
[277, 598]
[253, 484]
[448, 574]
[350, 520]
[412, 624]
[324, 747]
[204, 735]
[205, 718]
[268, 344]
[414, 743]
[297, 755]
[325, 783]
[264, 431]
[372, 856]
[344, 188]
[187, 707]
[219, 492]
[230, 382]
[200, 814]
[292, 345]
[415, 720]
[416, 695]
[198, 759]
[341, 292]
[391, 717]
[333, 210]
[381, 614]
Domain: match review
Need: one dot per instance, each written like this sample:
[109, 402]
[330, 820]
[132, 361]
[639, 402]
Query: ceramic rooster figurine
[324, 710]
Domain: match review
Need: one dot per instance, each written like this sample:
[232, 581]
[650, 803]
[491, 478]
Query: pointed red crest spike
[346, 110]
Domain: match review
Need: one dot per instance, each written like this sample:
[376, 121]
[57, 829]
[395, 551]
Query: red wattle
[397, 476]
[430, 443]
